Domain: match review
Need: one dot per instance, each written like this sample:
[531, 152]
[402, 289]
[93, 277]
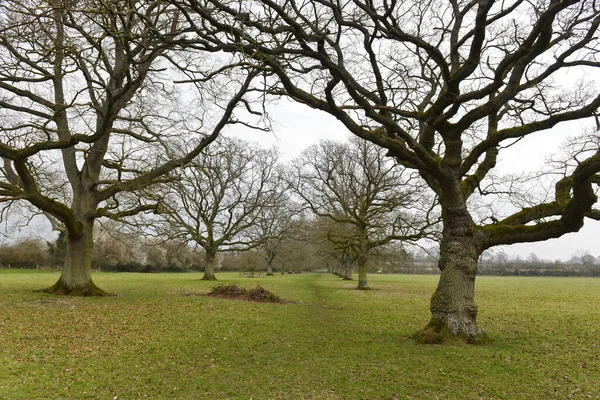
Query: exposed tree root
[61, 289]
[437, 332]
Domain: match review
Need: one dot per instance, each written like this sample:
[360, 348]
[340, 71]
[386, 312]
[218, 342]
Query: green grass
[161, 339]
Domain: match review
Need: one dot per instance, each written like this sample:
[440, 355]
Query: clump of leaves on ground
[233, 291]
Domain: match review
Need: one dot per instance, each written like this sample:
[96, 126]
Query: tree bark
[270, 257]
[209, 269]
[347, 271]
[361, 260]
[362, 275]
[453, 308]
[76, 276]
[336, 271]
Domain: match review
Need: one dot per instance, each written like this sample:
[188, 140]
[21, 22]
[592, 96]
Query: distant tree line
[580, 264]
[294, 254]
[27, 253]
[111, 254]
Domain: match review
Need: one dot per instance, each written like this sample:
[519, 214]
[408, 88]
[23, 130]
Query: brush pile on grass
[233, 291]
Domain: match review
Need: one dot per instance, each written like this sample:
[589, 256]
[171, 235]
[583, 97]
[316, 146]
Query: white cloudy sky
[297, 126]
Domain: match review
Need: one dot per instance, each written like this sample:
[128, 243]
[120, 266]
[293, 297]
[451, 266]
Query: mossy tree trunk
[453, 308]
[76, 276]
[362, 275]
[361, 260]
[209, 268]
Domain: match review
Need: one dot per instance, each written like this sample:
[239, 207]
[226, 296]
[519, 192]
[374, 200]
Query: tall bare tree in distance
[220, 198]
[356, 185]
[274, 226]
[444, 86]
[336, 246]
[90, 114]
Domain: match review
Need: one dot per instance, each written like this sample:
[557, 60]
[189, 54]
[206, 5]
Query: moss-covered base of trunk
[437, 332]
[363, 287]
[61, 289]
[347, 278]
[271, 274]
[209, 278]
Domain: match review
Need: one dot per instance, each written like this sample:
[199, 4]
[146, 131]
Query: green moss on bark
[437, 332]
[61, 289]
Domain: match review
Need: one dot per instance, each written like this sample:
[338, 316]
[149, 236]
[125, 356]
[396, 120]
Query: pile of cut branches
[233, 291]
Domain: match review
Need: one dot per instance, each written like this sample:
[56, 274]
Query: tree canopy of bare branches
[444, 86]
[90, 113]
[374, 200]
[219, 200]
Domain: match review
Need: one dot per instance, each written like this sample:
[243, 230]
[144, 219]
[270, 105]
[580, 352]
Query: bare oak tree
[356, 185]
[444, 86]
[90, 113]
[273, 226]
[296, 251]
[219, 198]
[335, 245]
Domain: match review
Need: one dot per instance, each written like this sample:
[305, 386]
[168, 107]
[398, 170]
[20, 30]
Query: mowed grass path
[160, 338]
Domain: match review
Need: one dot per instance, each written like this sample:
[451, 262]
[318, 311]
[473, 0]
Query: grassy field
[160, 338]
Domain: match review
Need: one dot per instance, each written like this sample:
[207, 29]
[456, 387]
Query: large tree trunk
[209, 269]
[361, 261]
[347, 271]
[336, 271]
[76, 277]
[362, 275]
[270, 258]
[453, 309]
